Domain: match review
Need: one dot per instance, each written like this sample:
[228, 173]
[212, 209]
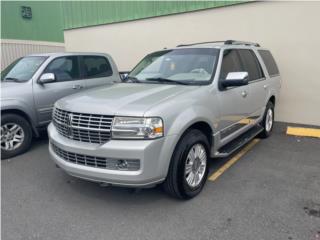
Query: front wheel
[16, 135]
[267, 121]
[188, 169]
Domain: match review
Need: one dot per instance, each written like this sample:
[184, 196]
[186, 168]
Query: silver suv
[32, 84]
[177, 109]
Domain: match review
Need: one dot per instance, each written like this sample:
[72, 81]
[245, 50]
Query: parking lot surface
[271, 193]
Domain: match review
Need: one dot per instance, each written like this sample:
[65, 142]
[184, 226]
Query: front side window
[22, 69]
[64, 68]
[96, 66]
[230, 63]
[185, 66]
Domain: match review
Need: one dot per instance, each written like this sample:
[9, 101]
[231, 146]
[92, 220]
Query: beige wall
[290, 29]
[13, 49]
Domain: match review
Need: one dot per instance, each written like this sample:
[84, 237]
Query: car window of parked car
[22, 69]
[269, 61]
[64, 68]
[96, 66]
[230, 63]
[250, 64]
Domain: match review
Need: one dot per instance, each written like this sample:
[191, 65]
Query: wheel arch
[202, 126]
[24, 115]
[272, 99]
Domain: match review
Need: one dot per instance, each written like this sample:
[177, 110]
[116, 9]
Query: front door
[233, 101]
[257, 84]
[67, 82]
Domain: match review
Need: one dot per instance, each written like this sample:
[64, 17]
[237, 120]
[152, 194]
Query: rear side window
[251, 64]
[64, 68]
[269, 61]
[230, 63]
[96, 66]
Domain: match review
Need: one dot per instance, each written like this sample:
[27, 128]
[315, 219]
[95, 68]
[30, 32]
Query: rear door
[67, 81]
[96, 70]
[233, 101]
[257, 84]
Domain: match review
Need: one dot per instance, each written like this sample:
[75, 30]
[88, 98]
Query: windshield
[22, 69]
[187, 66]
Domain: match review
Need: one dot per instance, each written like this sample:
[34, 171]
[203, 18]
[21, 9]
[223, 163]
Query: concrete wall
[290, 29]
[13, 49]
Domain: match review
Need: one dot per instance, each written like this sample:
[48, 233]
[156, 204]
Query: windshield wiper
[11, 79]
[133, 79]
[166, 80]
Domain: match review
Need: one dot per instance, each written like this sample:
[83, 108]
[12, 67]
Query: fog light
[122, 164]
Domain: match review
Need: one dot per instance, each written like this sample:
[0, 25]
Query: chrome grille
[98, 162]
[83, 127]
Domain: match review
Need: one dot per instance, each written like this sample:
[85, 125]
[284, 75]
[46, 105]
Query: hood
[126, 99]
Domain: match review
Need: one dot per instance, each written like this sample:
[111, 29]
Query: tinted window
[251, 64]
[269, 62]
[230, 63]
[64, 68]
[96, 66]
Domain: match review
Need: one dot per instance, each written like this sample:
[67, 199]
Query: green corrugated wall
[87, 13]
[49, 18]
[45, 25]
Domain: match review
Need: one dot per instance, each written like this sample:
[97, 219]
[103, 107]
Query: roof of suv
[218, 44]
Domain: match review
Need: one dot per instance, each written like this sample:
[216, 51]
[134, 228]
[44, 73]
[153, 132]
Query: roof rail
[236, 42]
[190, 44]
[227, 42]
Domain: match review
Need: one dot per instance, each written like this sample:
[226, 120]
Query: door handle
[265, 86]
[244, 94]
[77, 86]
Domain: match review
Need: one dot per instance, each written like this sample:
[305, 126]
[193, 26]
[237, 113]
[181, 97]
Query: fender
[190, 116]
[186, 119]
[21, 106]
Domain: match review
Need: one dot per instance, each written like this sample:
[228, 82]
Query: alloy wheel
[12, 136]
[195, 166]
[269, 120]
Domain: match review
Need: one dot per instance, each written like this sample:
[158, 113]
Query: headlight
[137, 128]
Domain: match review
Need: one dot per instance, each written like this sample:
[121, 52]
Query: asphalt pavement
[271, 193]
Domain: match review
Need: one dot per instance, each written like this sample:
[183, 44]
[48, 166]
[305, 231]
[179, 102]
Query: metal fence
[13, 49]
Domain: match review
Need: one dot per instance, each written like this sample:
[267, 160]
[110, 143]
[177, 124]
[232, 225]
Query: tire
[176, 183]
[265, 123]
[17, 129]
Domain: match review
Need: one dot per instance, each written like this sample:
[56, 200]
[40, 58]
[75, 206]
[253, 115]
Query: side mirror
[47, 78]
[235, 79]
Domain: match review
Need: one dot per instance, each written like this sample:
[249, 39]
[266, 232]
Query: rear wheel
[267, 122]
[16, 135]
[189, 166]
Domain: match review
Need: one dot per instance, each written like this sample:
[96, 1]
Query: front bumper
[154, 156]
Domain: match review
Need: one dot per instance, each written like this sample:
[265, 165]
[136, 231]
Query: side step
[237, 143]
